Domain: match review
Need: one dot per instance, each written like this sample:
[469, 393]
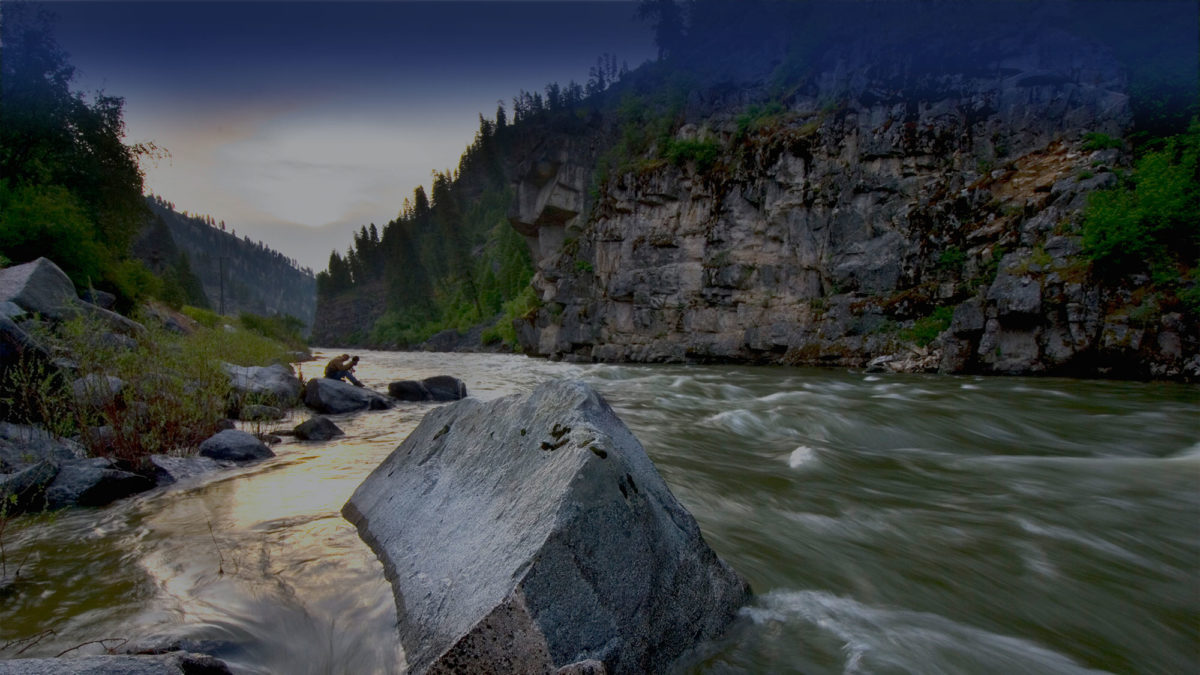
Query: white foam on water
[883, 639]
[802, 456]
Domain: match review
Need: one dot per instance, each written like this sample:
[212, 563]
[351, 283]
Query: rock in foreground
[533, 532]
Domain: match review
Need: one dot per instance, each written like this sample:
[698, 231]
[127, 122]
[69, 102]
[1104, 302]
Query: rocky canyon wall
[917, 218]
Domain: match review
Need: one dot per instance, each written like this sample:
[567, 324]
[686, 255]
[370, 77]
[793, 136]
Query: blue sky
[298, 122]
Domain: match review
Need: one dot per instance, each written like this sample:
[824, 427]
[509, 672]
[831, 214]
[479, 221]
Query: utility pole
[221, 267]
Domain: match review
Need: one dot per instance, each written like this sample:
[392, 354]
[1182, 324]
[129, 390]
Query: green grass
[175, 390]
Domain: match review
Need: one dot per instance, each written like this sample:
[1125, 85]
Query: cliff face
[882, 201]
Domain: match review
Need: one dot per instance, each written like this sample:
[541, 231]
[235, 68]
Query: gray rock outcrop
[277, 382]
[234, 445]
[331, 397]
[317, 428]
[533, 532]
[41, 287]
[437, 388]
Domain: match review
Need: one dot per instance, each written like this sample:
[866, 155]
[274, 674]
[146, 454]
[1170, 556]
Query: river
[888, 524]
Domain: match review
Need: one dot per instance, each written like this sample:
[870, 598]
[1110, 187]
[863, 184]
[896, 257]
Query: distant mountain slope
[237, 274]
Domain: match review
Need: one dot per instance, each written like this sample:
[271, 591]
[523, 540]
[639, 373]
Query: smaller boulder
[97, 392]
[93, 482]
[437, 388]
[235, 446]
[318, 428]
[169, 470]
[21, 446]
[25, 490]
[332, 397]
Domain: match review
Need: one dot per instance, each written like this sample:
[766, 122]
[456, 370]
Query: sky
[299, 122]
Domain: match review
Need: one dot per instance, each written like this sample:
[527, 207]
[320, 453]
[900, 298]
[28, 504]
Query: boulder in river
[331, 397]
[169, 469]
[25, 490]
[317, 428]
[93, 482]
[533, 532]
[437, 388]
[235, 445]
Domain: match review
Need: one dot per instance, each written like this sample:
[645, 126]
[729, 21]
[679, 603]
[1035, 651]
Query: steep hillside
[236, 274]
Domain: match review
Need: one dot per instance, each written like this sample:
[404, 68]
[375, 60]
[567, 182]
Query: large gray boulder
[175, 663]
[331, 397]
[436, 388]
[234, 445]
[276, 382]
[93, 482]
[41, 287]
[533, 532]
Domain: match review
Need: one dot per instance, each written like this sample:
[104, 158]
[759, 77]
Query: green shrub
[1153, 221]
[703, 153]
[1097, 141]
[926, 329]
[952, 258]
[204, 317]
[47, 220]
[503, 331]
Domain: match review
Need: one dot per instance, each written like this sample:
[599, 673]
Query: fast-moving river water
[888, 524]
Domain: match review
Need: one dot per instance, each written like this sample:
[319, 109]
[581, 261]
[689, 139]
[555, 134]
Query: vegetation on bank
[1150, 223]
[175, 390]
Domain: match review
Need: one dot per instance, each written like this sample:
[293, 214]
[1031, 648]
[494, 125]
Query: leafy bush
[1098, 141]
[47, 220]
[926, 329]
[952, 258]
[703, 153]
[1153, 221]
[503, 331]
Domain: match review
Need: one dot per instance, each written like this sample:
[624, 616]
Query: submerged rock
[437, 388]
[163, 664]
[331, 397]
[317, 428]
[531, 533]
[169, 470]
[235, 446]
